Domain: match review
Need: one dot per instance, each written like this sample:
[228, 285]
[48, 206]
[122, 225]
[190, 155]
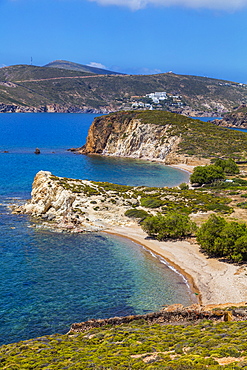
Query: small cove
[49, 280]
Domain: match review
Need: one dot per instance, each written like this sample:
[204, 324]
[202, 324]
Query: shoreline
[179, 166]
[188, 278]
[212, 281]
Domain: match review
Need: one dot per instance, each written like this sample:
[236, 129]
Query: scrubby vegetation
[163, 200]
[172, 225]
[135, 346]
[223, 239]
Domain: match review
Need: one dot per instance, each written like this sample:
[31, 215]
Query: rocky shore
[50, 108]
[75, 205]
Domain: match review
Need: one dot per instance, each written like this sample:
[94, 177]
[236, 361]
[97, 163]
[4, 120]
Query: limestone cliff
[126, 134]
[74, 205]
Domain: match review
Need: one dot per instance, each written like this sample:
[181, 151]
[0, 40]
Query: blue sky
[196, 37]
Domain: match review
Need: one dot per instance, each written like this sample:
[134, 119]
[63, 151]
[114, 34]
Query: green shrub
[172, 225]
[223, 239]
[242, 205]
[228, 166]
[223, 208]
[184, 186]
[136, 213]
[151, 202]
[207, 174]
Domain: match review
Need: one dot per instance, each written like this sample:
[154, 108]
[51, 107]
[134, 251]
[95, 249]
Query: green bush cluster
[223, 239]
[151, 202]
[207, 174]
[172, 225]
[136, 213]
[228, 166]
[214, 172]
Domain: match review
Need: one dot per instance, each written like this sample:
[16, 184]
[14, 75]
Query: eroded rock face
[115, 135]
[48, 195]
[122, 134]
[73, 205]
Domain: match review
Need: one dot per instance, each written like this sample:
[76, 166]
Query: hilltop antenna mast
[31, 61]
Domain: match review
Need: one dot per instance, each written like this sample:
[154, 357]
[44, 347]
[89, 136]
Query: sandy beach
[216, 282]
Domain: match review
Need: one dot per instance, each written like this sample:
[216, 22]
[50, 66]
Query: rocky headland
[76, 205]
[165, 137]
[237, 118]
[126, 134]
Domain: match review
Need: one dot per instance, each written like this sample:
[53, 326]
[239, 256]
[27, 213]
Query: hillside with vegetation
[200, 344]
[31, 86]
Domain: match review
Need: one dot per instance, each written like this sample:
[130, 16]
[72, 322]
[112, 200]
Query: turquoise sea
[49, 280]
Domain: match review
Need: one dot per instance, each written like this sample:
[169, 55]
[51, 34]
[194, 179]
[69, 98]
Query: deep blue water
[49, 280]
[207, 119]
[53, 134]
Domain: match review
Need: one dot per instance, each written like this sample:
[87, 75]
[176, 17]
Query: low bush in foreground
[134, 346]
[223, 239]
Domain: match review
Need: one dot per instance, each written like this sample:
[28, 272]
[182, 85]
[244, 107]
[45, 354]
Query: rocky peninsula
[126, 134]
[69, 205]
[162, 136]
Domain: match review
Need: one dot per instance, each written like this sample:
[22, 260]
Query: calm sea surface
[49, 280]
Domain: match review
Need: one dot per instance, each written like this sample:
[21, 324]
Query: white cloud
[96, 65]
[196, 4]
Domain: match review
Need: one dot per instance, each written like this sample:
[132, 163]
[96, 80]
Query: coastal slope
[162, 136]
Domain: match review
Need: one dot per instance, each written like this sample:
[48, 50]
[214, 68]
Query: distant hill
[74, 90]
[64, 64]
[22, 72]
